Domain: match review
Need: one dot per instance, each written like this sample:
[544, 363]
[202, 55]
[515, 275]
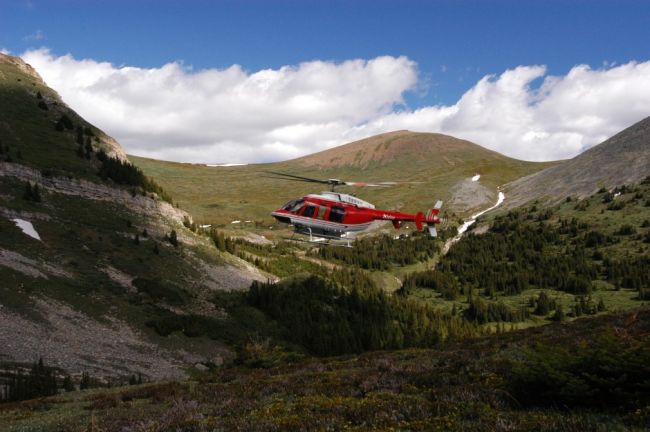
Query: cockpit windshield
[293, 206]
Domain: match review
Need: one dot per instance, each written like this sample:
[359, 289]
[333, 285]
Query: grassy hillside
[32, 132]
[575, 377]
[439, 166]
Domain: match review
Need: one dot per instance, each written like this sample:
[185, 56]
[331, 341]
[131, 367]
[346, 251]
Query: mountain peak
[387, 147]
[21, 65]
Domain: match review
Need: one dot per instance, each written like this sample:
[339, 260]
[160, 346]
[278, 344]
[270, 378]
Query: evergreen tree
[80, 136]
[172, 238]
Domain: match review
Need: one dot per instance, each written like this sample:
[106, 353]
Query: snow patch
[27, 228]
[476, 177]
[235, 222]
[225, 165]
[472, 220]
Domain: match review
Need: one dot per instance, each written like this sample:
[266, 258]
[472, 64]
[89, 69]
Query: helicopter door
[337, 214]
[321, 212]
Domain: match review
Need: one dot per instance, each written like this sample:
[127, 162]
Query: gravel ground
[75, 342]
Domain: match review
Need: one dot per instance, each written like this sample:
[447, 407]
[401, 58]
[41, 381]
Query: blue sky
[453, 44]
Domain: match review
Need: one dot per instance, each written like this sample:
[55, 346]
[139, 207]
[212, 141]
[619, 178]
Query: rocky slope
[622, 159]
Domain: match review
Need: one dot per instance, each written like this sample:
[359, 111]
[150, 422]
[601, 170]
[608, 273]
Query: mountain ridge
[621, 159]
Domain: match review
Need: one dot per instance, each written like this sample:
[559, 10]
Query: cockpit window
[293, 206]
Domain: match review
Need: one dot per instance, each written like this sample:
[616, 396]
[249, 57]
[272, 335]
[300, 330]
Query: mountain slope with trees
[91, 248]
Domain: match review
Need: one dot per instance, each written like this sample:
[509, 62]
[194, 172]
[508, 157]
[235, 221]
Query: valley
[156, 295]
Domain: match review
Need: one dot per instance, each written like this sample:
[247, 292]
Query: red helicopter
[334, 215]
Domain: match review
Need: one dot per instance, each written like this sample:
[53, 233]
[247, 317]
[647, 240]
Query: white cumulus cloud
[232, 115]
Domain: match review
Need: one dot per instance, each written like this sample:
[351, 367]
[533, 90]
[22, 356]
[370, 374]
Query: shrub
[32, 192]
[64, 123]
[626, 230]
[608, 373]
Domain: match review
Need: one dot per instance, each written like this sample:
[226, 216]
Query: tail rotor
[432, 219]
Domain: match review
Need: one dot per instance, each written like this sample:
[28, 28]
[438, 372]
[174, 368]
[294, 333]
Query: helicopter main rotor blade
[364, 184]
[332, 182]
[296, 178]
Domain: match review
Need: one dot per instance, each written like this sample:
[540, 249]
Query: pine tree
[85, 381]
[88, 148]
[36, 193]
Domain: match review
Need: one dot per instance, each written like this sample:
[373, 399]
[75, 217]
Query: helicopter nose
[281, 218]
